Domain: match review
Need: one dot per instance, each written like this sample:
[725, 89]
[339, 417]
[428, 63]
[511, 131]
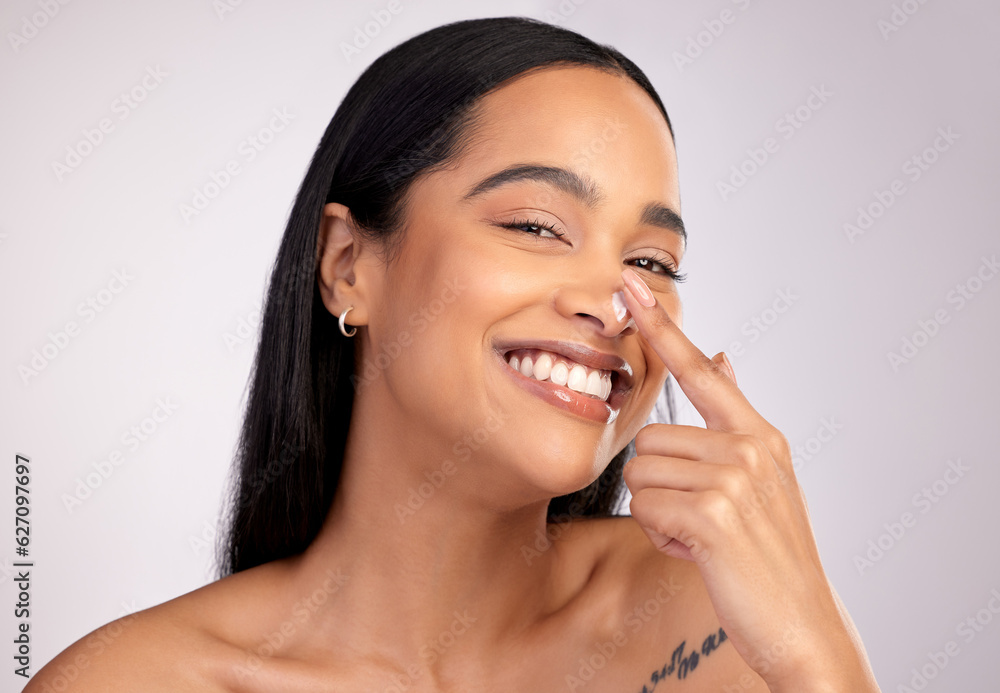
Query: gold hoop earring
[343, 329]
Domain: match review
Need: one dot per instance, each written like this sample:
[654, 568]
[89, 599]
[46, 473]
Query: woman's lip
[567, 399]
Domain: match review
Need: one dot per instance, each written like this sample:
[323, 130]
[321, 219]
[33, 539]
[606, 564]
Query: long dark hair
[410, 112]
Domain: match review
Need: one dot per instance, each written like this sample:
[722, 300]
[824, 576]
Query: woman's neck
[430, 563]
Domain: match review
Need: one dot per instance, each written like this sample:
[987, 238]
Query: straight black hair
[411, 111]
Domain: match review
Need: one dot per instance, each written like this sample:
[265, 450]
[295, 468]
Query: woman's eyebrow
[579, 186]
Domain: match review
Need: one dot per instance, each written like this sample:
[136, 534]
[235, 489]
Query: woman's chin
[562, 479]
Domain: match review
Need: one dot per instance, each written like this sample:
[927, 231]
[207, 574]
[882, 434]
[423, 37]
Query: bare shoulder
[184, 644]
[660, 612]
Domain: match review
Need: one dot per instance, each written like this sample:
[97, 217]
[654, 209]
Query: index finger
[717, 398]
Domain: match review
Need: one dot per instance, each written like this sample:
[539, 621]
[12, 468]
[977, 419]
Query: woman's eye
[534, 228]
[666, 267]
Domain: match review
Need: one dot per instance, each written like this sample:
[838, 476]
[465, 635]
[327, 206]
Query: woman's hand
[726, 498]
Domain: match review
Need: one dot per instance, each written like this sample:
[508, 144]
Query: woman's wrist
[858, 683]
[833, 667]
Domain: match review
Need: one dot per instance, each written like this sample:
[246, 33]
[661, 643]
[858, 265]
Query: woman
[472, 314]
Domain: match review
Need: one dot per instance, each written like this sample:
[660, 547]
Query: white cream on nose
[618, 303]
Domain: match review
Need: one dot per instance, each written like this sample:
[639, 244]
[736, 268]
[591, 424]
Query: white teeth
[559, 374]
[577, 378]
[543, 367]
[595, 385]
[526, 366]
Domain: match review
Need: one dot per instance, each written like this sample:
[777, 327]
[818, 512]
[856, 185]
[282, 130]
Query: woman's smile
[570, 376]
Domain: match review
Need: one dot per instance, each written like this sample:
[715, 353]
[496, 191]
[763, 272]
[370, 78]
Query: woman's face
[464, 290]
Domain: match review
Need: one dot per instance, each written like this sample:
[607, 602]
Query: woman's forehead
[601, 126]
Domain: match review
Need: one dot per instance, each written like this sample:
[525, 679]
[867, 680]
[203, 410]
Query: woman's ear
[344, 266]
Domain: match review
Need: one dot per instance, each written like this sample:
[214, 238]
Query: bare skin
[463, 586]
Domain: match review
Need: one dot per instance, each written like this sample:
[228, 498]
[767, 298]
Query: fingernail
[729, 365]
[618, 303]
[639, 288]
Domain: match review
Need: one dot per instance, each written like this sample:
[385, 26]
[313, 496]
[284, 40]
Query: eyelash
[665, 263]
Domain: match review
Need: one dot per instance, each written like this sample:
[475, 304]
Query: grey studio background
[838, 167]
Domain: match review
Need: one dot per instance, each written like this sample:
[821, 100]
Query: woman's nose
[601, 311]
